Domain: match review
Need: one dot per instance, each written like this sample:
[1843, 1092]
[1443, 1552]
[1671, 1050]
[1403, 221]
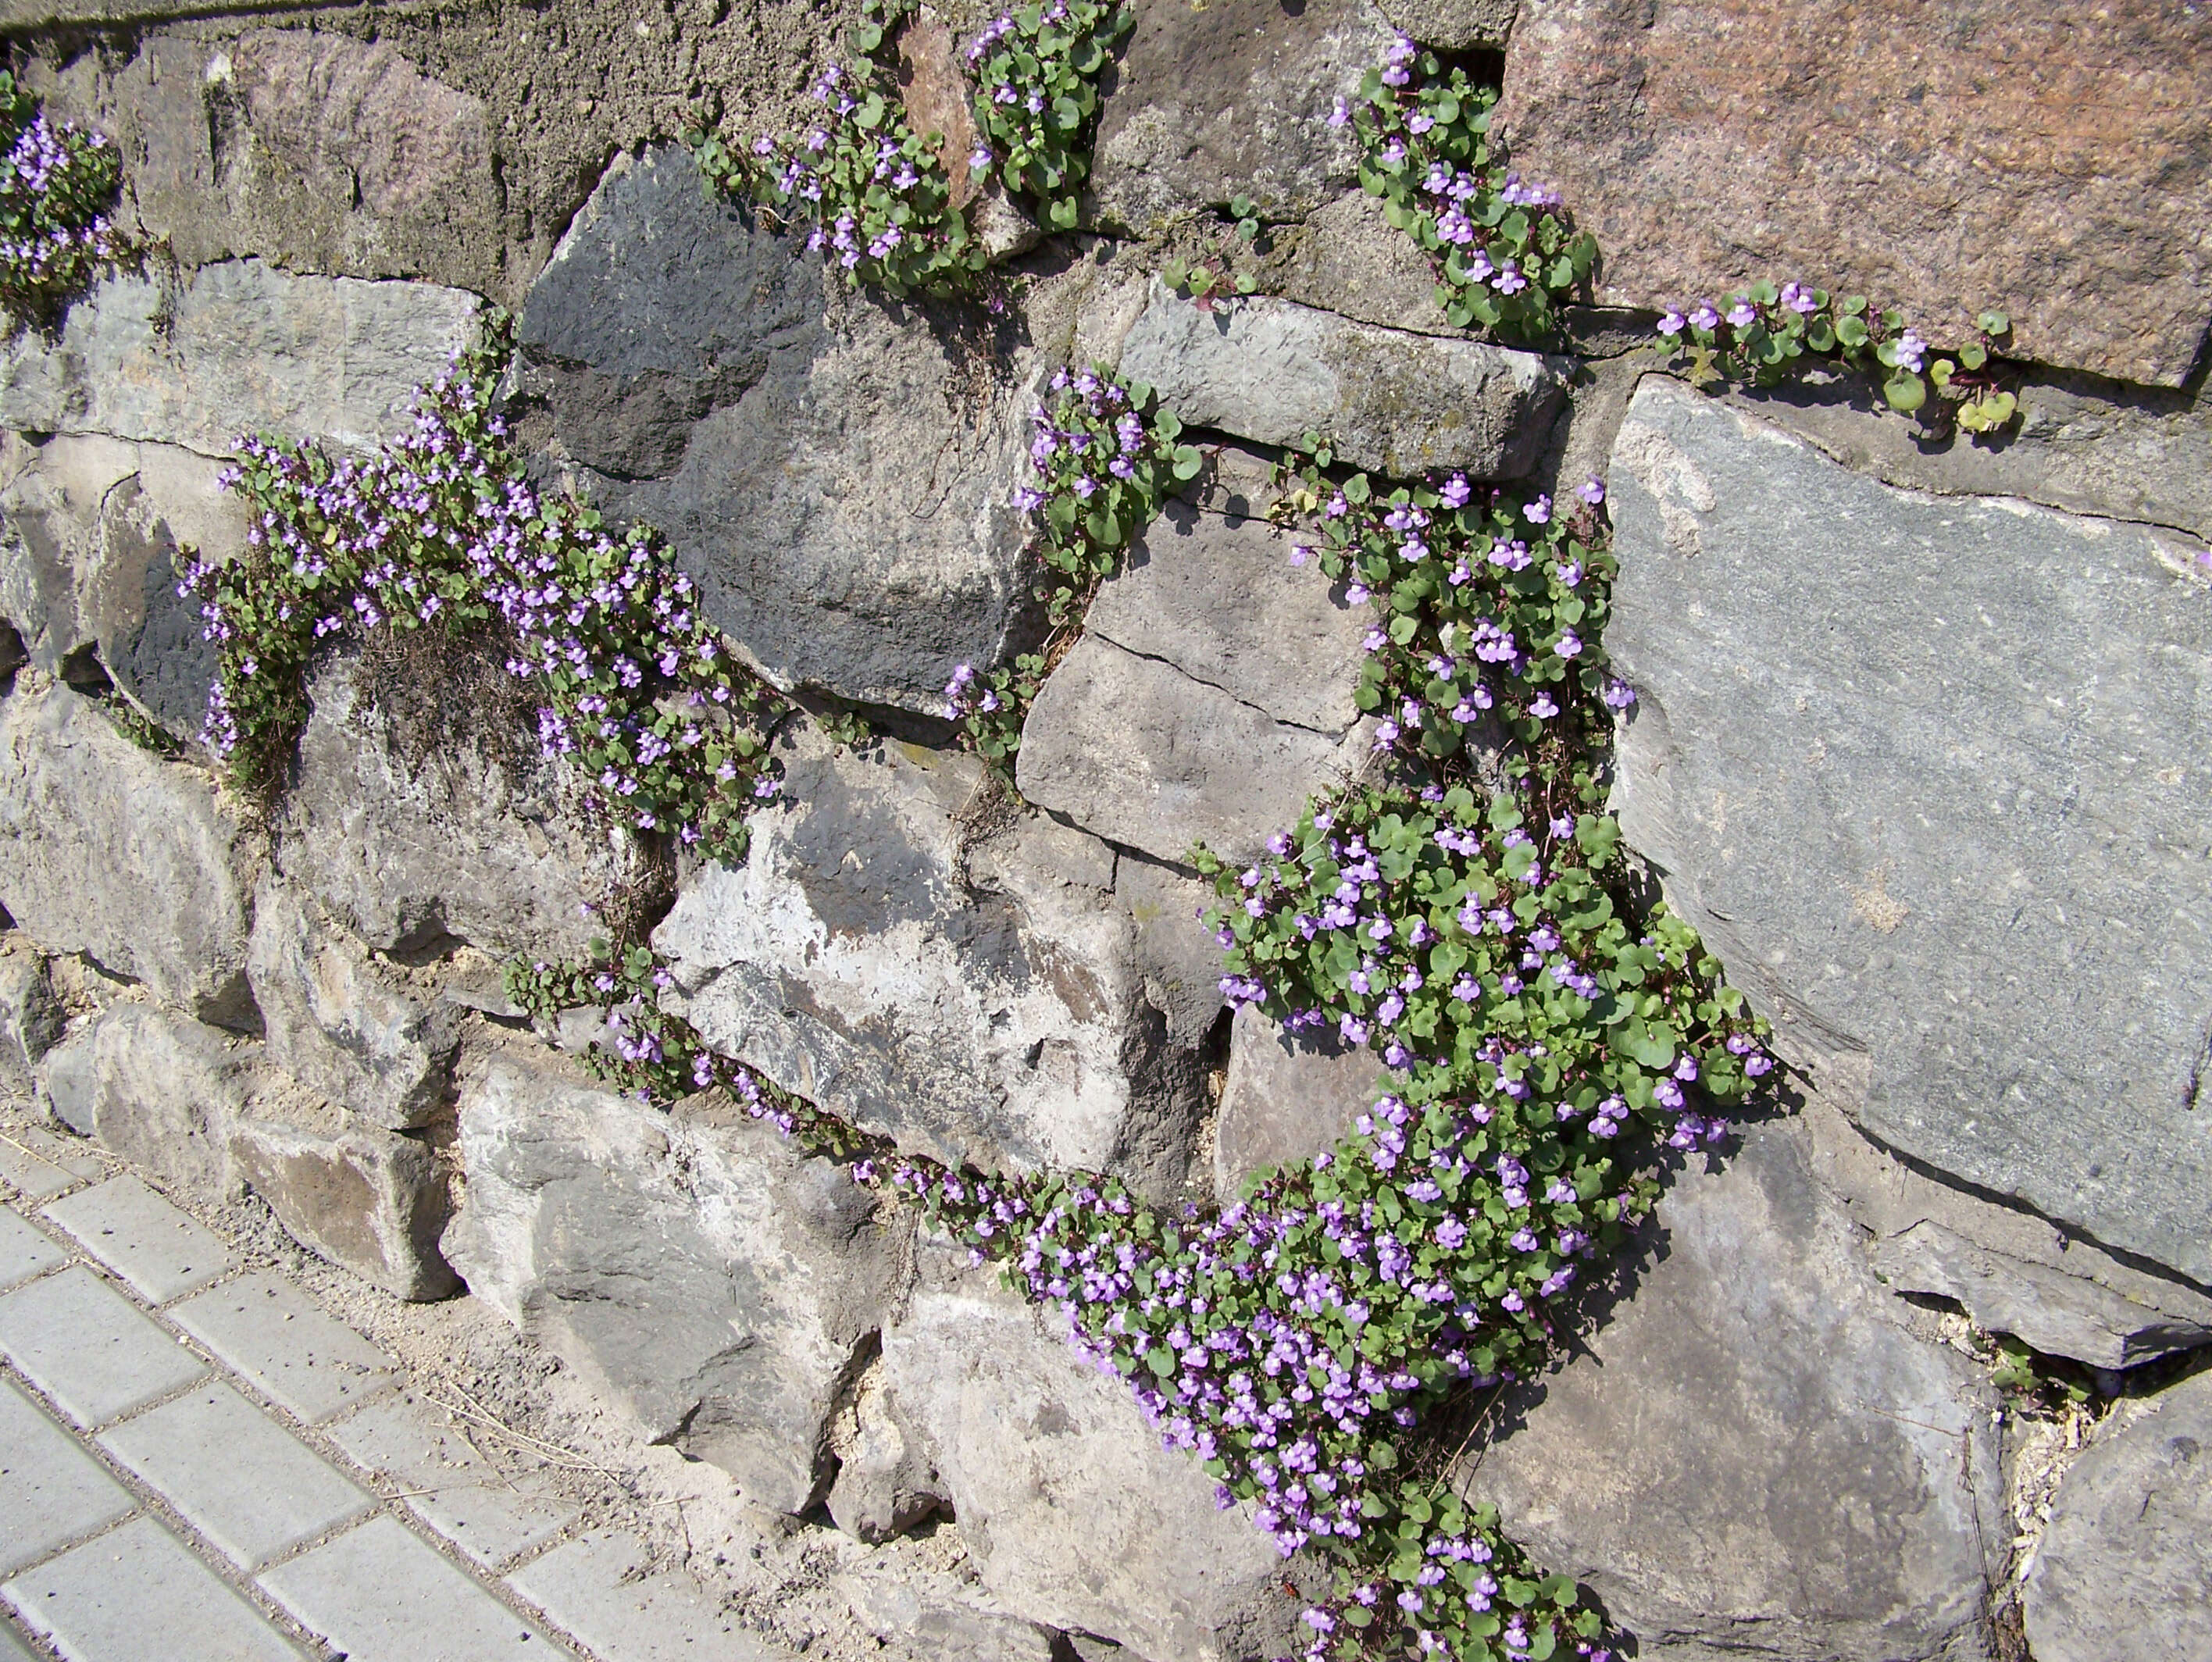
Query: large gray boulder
[1923, 771]
[354, 1195]
[93, 531]
[1075, 1514]
[829, 469]
[1207, 103]
[235, 348]
[2122, 1573]
[715, 1285]
[2011, 1270]
[108, 850]
[1752, 1454]
[977, 998]
[1272, 370]
[409, 832]
[337, 1023]
[1212, 694]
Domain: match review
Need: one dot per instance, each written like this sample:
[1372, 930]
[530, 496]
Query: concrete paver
[452, 1488]
[136, 1592]
[286, 1344]
[89, 1348]
[379, 1593]
[36, 1163]
[664, 1616]
[162, 1254]
[25, 1251]
[51, 1491]
[235, 1475]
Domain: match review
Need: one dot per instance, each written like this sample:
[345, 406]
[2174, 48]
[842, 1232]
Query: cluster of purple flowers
[1036, 72]
[1502, 248]
[57, 185]
[634, 686]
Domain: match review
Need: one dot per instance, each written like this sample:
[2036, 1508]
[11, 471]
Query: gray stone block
[236, 349]
[2122, 1571]
[1272, 370]
[234, 1475]
[89, 1348]
[825, 466]
[287, 1347]
[601, 1589]
[715, 1284]
[108, 850]
[1075, 1515]
[491, 1516]
[102, 1601]
[1454, 25]
[360, 1197]
[1134, 750]
[160, 1090]
[161, 1252]
[31, 1017]
[51, 1491]
[344, 1592]
[1287, 1098]
[1753, 1445]
[917, 1618]
[977, 997]
[1923, 771]
[25, 1252]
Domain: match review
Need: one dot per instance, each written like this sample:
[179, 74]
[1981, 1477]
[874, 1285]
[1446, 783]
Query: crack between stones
[1335, 737]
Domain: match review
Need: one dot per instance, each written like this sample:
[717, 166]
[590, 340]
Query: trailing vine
[440, 530]
[57, 185]
[1102, 458]
[1036, 102]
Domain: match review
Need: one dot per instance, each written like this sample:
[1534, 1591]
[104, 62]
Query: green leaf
[1905, 392]
[1189, 460]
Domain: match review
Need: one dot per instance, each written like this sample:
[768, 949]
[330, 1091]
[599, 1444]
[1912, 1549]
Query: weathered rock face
[718, 1286]
[2013, 1272]
[1210, 695]
[107, 850]
[354, 1195]
[2122, 1571]
[322, 153]
[234, 348]
[406, 841]
[885, 1483]
[333, 1022]
[982, 1003]
[1754, 1455]
[1288, 1097]
[1209, 103]
[1271, 372]
[1932, 159]
[92, 532]
[1454, 25]
[1349, 259]
[1078, 1516]
[825, 469]
[162, 1090]
[922, 1618]
[31, 1018]
[1924, 772]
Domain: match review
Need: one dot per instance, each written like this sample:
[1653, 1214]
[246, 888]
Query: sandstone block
[1924, 772]
[1454, 25]
[1272, 370]
[107, 849]
[357, 1195]
[1935, 160]
[717, 1286]
[163, 1091]
[1753, 1451]
[979, 1003]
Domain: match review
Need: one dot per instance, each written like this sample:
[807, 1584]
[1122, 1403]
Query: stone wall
[1921, 747]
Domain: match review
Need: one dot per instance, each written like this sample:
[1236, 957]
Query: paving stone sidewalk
[201, 1464]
